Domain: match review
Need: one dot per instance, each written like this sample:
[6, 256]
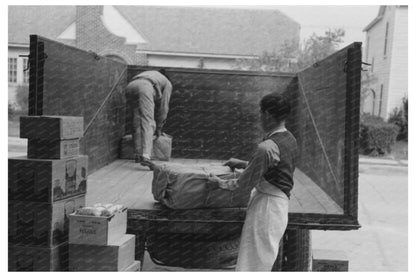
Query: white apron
[264, 226]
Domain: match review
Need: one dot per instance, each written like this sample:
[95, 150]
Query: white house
[386, 51]
[193, 37]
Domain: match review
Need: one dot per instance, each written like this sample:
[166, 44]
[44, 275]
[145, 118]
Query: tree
[291, 57]
[317, 47]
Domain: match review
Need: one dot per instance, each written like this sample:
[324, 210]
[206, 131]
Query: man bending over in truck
[270, 172]
[148, 95]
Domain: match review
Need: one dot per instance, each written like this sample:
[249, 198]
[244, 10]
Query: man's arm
[252, 175]
[164, 107]
[236, 163]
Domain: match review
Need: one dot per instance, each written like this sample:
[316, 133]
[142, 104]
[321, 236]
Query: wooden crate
[25, 258]
[51, 127]
[52, 149]
[116, 257]
[97, 230]
[329, 260]
[41, 224]
[47, 180]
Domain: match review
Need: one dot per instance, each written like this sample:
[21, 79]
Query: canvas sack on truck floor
[185, 187]
[162, 147]
[161, 151]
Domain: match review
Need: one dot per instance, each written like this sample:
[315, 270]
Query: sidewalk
[17, 147]
[15, 141]
[382, 161]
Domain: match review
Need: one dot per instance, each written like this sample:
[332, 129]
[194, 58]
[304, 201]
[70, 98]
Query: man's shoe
[147, 162]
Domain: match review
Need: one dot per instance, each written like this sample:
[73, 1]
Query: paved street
[382, 242]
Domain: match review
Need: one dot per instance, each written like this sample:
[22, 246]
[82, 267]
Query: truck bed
[130, 184]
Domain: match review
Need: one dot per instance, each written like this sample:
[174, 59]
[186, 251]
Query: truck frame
[213, 116]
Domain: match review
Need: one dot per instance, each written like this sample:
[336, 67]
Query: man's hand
[158, 132]
[213, 182]
[235, 163]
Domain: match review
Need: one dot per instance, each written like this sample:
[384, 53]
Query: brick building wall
[92, 35]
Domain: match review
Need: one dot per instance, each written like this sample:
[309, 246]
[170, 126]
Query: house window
[25, 72]
[373, 96]
[381, 100]
[386, 38]
[12, 70]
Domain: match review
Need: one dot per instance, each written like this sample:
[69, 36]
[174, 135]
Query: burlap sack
[185, 187]
[162, 148]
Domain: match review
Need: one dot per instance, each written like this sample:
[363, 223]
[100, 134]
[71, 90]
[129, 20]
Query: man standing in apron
[148, 95]
[270, 172]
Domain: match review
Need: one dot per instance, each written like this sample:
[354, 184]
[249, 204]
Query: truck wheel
[192, 251]
[296, 250]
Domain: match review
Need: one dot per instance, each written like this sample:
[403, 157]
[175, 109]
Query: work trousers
[140, 96]
[264, 226]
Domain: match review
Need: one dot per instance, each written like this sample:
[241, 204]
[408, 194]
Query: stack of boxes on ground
[44, 189]
[98, 240]
[329, 260]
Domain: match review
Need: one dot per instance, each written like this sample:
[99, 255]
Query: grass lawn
[399, 150]
[14, 128]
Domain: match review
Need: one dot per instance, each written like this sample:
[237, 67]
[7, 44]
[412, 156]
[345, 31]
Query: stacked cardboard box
[43, 189]
[329, 260]
[100, 243]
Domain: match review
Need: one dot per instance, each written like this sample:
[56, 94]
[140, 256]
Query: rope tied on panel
[316, 130]
[105, 100]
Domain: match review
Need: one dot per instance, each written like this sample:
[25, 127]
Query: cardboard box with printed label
[97, 230]
[115, 257]
[47, 180]
[52, 149]
[26, 258]
[51, 127]
[329, 260]
[41, 224]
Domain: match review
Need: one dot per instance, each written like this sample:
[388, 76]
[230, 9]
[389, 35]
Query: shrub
[400, 118]
[22, 99]
[11, 111]
[376, 135]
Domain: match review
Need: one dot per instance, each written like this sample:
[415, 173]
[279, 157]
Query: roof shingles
[47, 21]
[173, 29]
[212, 30]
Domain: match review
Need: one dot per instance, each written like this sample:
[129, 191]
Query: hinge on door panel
[345, 66]
[27, 67]
[95, 55]
[362, 69]
[27, 63]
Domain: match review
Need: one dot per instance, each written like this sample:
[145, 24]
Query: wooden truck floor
[125, 182]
